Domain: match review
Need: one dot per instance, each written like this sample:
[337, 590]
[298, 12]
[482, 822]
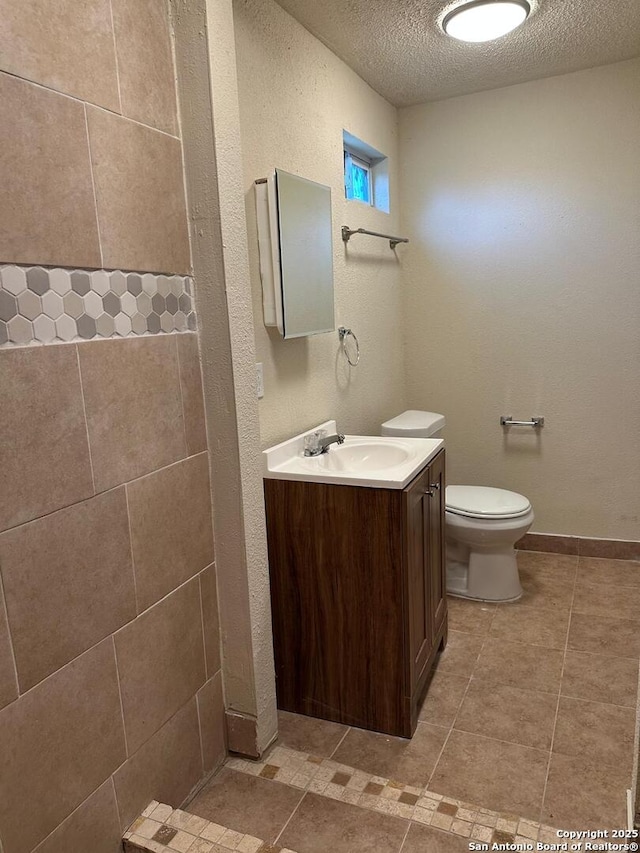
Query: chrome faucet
[319, 442]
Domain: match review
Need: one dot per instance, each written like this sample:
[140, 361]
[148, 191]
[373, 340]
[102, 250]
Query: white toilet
[482, 525]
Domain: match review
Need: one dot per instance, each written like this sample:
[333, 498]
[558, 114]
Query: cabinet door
[417, 523]
[436, 554]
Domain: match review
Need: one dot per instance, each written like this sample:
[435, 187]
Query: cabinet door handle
[435, 486]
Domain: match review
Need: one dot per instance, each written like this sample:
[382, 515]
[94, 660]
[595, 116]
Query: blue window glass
[360, 182]
[357, 179]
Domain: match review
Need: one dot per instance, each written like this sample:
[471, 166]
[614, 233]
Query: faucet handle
[313, 439]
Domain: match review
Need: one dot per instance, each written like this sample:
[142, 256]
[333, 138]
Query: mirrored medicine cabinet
[296, 254]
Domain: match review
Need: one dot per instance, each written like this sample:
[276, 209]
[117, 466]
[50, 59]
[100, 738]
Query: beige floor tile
[408, 761]
[607, 636]
[471, 617]
[601, 678]
[581, 794]
[607, 601]
[530, 624]
[425, 839]
[508, 713]
[322, 825]
[443, 698]
[518, 665]
[603, 732]
[308, 734]
[558, 566]
[545, 588]
[506, 777]
[615, 572]
[461, 654]
[246, 804]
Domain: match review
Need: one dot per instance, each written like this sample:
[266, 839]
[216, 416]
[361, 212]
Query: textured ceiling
[398, 47]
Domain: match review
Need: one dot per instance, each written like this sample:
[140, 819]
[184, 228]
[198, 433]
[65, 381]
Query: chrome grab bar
[507, 420]
[347, 233]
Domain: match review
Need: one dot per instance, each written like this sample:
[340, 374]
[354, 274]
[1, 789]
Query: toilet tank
[415, 424]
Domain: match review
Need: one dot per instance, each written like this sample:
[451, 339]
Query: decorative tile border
[41, 306]
[162, 829]
[340, 782]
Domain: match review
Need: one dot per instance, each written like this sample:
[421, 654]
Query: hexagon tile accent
[40, 305]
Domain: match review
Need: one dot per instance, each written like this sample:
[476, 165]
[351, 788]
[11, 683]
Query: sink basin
[389, 462]
[358, 454]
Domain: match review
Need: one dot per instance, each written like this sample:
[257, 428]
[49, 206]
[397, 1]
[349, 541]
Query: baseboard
[242, 734]
[579, 546]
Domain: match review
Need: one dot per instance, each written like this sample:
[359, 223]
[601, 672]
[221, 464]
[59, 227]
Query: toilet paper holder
[507, 420]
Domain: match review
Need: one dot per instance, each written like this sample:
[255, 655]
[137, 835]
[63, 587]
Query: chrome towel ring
[344, 334]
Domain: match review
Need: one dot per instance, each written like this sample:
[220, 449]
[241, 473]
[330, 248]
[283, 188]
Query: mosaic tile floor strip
[339, 782]
[161, 829]
[40, 306]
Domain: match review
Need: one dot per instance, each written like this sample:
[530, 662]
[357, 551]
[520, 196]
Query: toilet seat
[485, 502]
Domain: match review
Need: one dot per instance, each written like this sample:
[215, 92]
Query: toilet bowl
[482, 525]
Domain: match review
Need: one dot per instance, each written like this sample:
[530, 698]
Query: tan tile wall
[90, 158]
[109, 642]
[110, 682]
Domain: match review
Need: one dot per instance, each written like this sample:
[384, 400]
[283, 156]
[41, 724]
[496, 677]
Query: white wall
[522, 286]
[296, 97]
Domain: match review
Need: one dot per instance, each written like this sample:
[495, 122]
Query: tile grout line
[104, 639]
[111, 488]
[204, 644]
[404, 840]
[555, 723]
[341, 741]
[93, 184]
[71, 813]
[124, 725]
[115, 799]
[184, 417]
[115, 54]
[200, 728]
[77, 100]
[86, 429]
[290, 818]
[453, 722]
[10, 638]
[133, 560]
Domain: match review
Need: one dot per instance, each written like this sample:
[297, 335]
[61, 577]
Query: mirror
[296, 254]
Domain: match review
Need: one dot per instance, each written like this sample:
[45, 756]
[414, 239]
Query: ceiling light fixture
[485, 20]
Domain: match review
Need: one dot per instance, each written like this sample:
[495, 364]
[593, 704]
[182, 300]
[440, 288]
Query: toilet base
[488, 576]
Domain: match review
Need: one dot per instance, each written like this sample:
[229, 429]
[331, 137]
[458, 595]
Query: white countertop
[387, 462]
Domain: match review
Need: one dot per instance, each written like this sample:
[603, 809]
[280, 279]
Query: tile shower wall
[110, 681]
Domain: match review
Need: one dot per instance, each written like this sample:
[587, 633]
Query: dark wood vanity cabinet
[358, 597]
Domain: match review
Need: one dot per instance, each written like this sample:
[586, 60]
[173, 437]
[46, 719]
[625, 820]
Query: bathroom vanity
[356, 555]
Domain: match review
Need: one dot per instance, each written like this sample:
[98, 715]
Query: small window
[357, 178]
[366, 173]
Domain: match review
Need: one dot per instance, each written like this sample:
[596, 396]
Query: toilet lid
[485, 501]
